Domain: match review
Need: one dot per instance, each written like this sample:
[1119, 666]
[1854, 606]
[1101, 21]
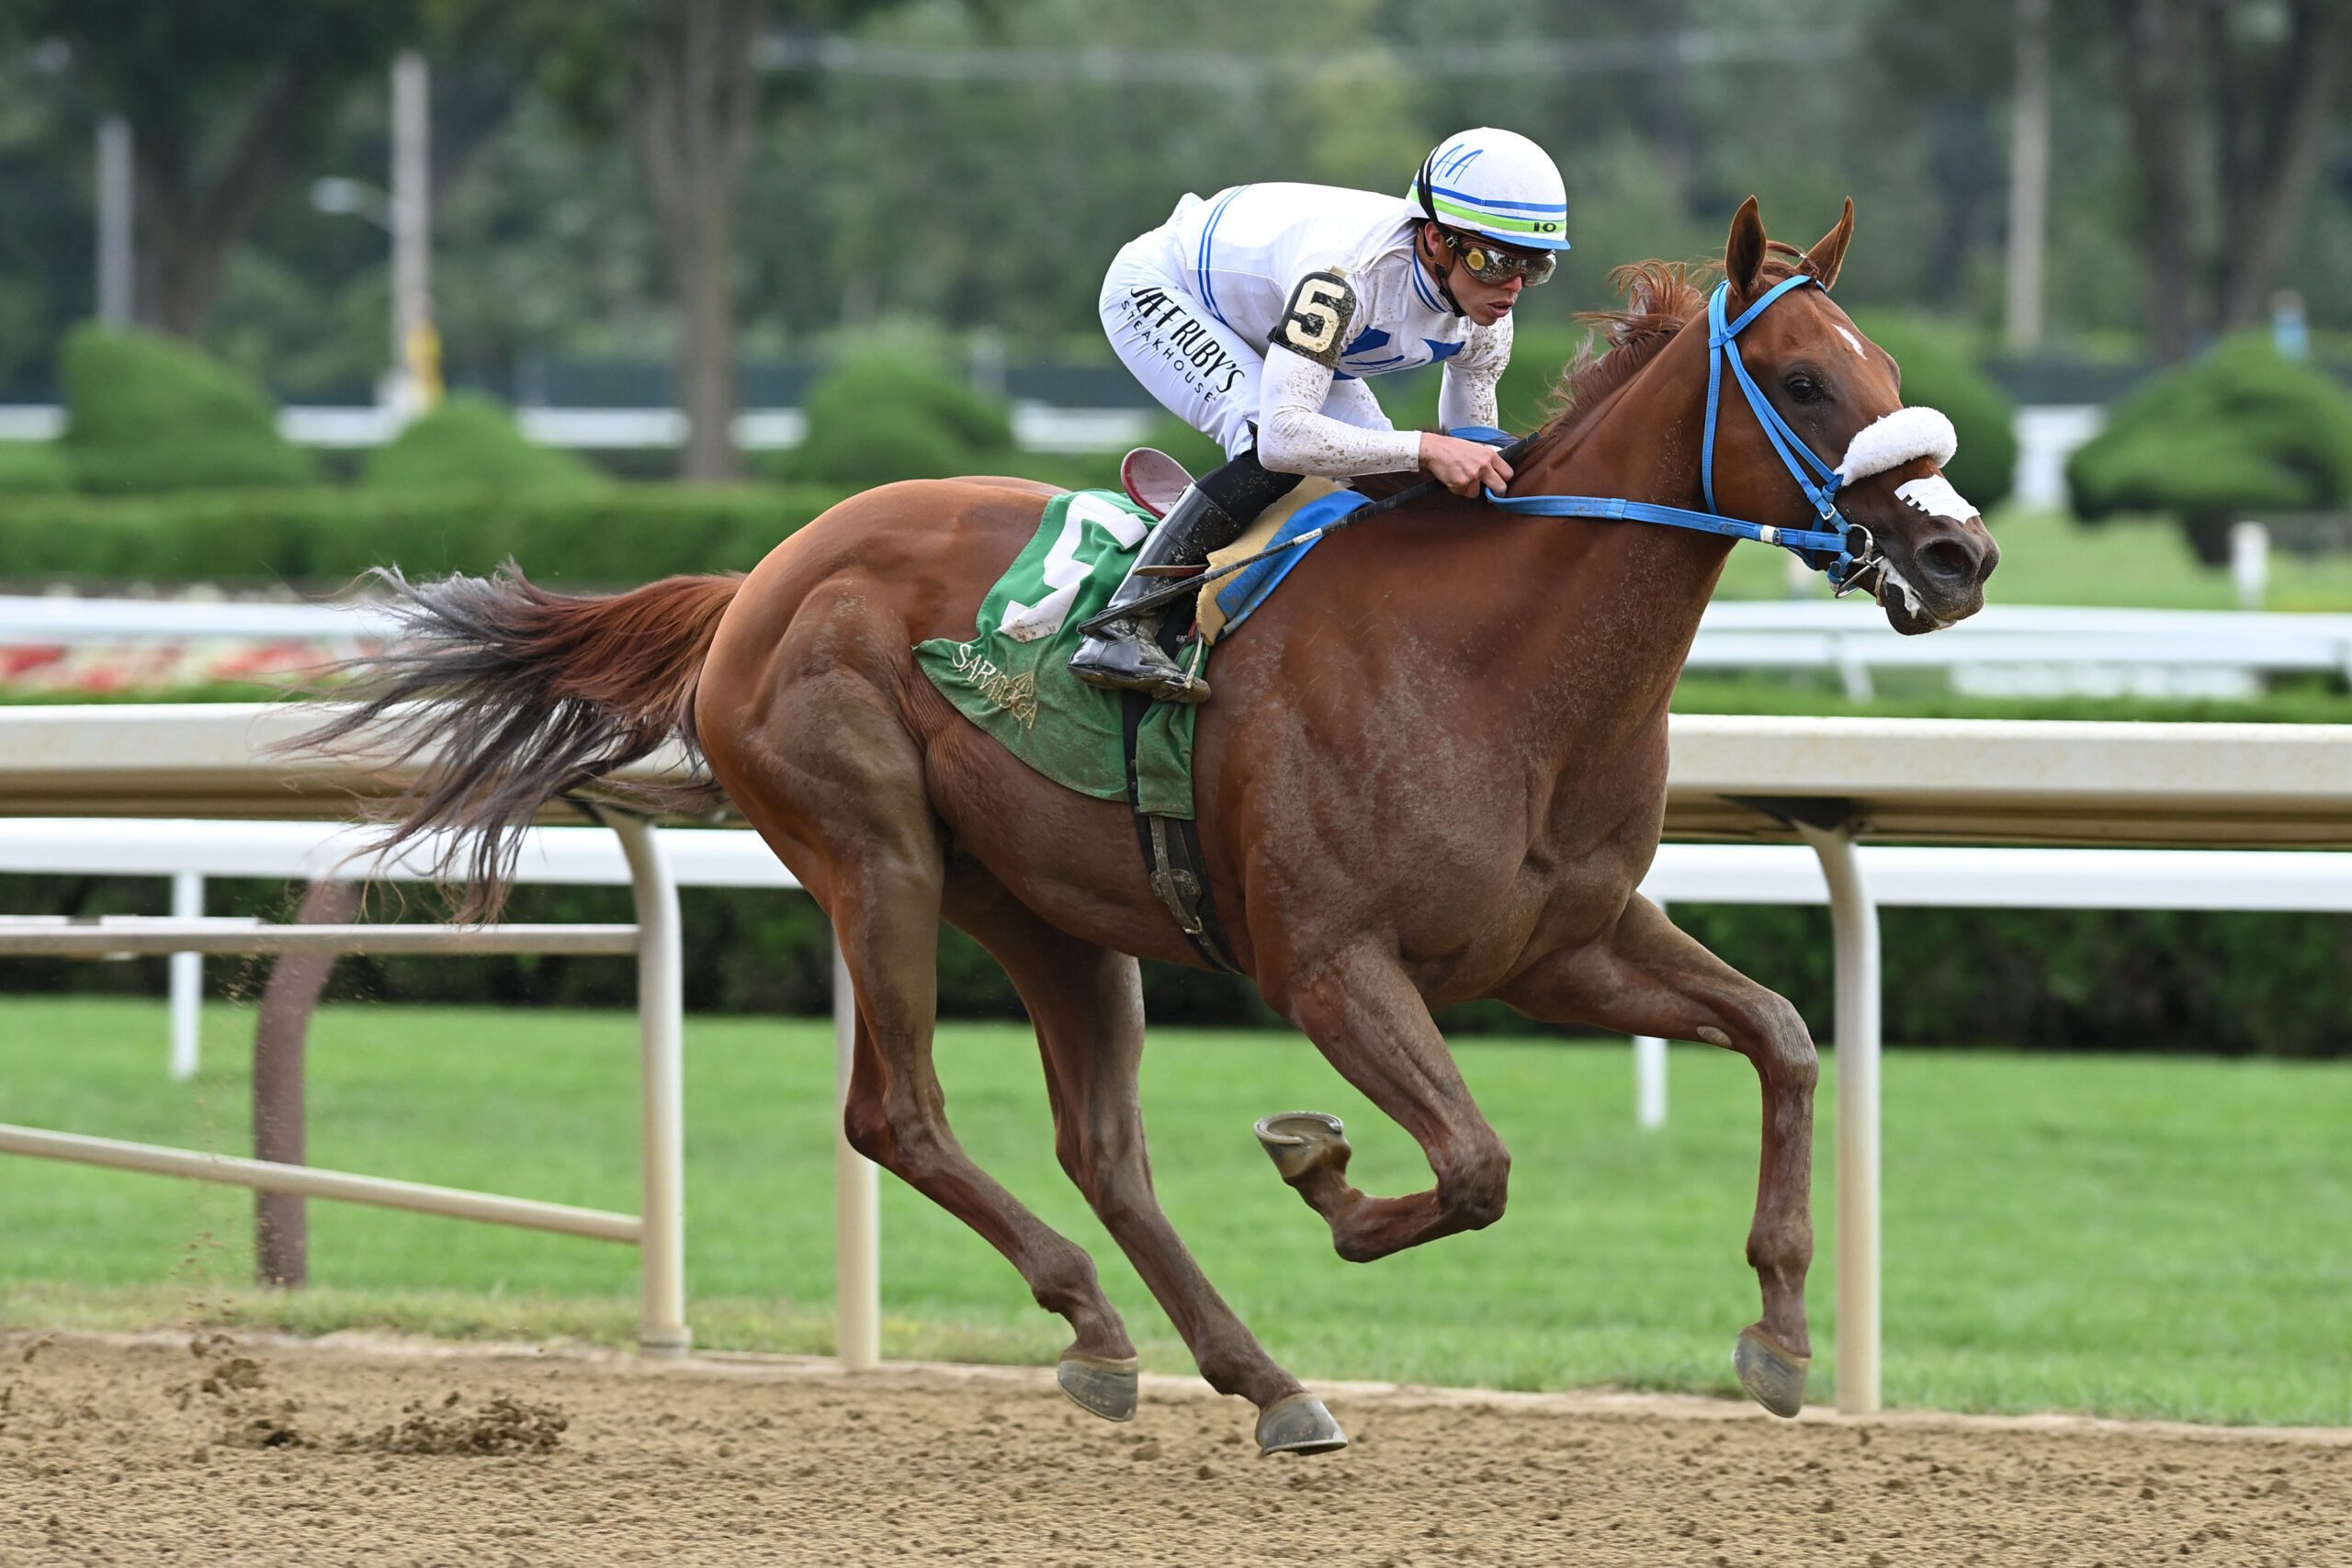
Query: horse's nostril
[1949, 559]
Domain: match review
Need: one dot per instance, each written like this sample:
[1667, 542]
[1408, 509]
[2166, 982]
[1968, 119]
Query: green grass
[2049, 558]
[2131, 1235]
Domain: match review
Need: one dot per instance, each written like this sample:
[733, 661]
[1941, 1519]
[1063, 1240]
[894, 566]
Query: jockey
[1255, 316]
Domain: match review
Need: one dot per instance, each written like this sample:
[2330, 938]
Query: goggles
[1489, 263]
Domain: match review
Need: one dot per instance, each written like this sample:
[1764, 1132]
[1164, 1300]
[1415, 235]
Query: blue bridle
[1817, 480]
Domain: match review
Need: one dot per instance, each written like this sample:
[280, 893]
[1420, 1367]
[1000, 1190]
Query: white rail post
[661, 1004]
[1649, 1081]
[1649, 1069]
[187, 981]
[1854, 920]
[857, 1203]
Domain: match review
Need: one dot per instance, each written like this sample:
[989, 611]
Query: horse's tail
[512, 695]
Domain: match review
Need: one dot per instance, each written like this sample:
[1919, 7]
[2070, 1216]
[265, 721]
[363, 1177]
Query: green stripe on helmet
[1546, 229]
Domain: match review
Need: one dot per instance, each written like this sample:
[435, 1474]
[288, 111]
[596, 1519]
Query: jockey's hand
[1463, 466]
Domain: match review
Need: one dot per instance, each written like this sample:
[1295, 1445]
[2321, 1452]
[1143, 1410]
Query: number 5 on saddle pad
[1013, 677]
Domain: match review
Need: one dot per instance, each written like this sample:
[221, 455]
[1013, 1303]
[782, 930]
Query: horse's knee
[1475, 1186]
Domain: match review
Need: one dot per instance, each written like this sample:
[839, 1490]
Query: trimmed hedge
[471, 440]
[34, 468]
[880, 419]
[2241, 429]
[618, 535]
[148, 412]
[1938, 372]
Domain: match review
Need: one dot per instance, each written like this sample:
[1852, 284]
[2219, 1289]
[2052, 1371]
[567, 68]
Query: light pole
[413, 383]
[115, 302]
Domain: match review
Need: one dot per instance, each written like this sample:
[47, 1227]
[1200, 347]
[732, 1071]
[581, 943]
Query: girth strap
[1172, 858]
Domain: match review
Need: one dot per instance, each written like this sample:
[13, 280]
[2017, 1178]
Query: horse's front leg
[1648, 978]
[1366, 1016]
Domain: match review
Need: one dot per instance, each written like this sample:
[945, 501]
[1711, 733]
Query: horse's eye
[1802, 386]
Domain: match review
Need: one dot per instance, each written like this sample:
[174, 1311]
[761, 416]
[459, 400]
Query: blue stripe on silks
[1201, 269]
[1441, 350]
[1421, 287]
[1241, 594]
[1367, 340]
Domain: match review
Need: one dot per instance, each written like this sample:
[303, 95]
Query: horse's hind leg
[851, 809]
[1650, 978]
[1364, 1014]
[1087, 1002]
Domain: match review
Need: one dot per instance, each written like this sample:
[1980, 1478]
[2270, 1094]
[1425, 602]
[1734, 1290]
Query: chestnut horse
[1434, 771]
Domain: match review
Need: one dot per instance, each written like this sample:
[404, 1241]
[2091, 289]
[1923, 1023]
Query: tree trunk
[281, 1221]
[2270, 186]
[697, 101]
[186, 224]
[2158, 64]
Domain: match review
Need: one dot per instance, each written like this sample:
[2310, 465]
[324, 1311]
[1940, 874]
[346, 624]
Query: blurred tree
[683, 76]
[218, 94]
[2255, 80]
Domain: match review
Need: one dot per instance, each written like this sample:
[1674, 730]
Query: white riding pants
[1198, 367]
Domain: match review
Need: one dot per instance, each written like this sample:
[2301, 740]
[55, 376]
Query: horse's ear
[1744, 251]
[1824, 260]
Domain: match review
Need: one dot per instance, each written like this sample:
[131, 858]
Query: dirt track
[134, 1452]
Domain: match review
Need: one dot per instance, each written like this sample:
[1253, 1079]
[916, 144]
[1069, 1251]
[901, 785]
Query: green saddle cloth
[1013, 678]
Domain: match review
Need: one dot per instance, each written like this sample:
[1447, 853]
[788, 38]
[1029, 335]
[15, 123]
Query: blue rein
[1816, 479]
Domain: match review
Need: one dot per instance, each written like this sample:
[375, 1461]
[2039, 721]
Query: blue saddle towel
[1240, 595]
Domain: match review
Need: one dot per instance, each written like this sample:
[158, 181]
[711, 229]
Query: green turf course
[2130, 1235]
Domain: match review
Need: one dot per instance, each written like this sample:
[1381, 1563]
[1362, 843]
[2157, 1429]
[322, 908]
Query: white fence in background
[2031, 650]
[2046, 435]
[1036, 427]
[2006, 649]
[2299, 882]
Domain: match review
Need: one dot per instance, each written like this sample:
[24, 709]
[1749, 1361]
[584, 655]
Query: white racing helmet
[1495, 184]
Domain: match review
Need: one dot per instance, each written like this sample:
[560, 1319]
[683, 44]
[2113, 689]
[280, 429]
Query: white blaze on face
[1853, 342]
[1935, 496]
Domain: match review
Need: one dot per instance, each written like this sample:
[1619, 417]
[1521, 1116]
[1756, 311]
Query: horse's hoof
[1769, 1372]
[1300, 1140]
[1297, 1424]
[1099, 1383]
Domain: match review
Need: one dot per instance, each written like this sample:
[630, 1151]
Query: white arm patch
[1894, 440]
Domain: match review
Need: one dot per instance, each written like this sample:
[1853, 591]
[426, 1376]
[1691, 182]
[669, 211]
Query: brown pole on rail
[281, 1226]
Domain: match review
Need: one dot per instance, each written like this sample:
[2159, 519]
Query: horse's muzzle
[1936, 575]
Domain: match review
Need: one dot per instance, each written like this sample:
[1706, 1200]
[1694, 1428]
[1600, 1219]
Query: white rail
[658, 1231]
[268, 1175]
[652, 862]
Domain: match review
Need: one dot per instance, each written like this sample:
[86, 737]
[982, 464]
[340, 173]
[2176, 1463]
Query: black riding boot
[1126, 656]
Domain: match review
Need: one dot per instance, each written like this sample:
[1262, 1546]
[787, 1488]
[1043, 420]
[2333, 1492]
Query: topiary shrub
[2241, 429]
[472, 440]
[1938, 372]
[33, 467]
[149, 412]
[877, 420]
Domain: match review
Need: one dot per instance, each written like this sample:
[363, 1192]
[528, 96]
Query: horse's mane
[1660, 298]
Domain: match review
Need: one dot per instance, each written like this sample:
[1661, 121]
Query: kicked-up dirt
[219, 1450]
